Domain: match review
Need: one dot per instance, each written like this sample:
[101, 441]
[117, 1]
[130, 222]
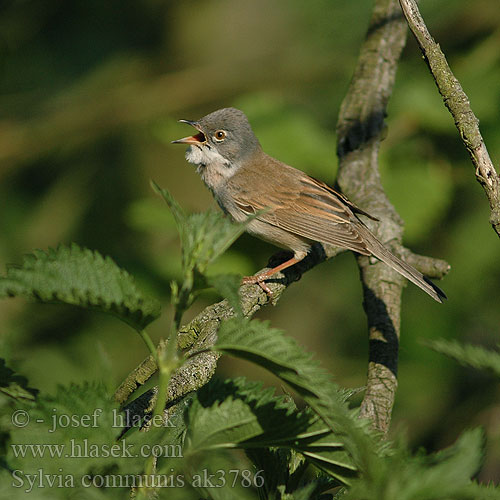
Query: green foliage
[382, 473]
[468, 355]
[443, 475]
[260, 419]
[14, 385]
[70, 437]
[269, 348]
[291, 453]
[204, 236]
[80, 277]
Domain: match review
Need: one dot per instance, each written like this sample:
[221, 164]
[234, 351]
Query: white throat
[213, 168]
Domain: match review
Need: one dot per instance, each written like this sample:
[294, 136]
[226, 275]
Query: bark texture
[459, 106]
[360, 130]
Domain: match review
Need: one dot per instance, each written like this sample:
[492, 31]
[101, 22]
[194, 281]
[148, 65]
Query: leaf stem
[147, 340]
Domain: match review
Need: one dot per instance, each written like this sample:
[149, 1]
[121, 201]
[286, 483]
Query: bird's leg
[260, 279]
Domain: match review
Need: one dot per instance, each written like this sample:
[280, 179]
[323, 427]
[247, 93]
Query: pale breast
[213, 168]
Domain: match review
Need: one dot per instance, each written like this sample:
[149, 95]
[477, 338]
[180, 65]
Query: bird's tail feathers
[409, 272]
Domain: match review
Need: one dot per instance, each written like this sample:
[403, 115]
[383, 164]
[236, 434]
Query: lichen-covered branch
[458, 104]
[201, 333]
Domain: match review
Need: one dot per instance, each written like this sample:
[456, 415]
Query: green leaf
[15, 386]
[238, 413]
[81, 277]
[286, 475]
[218, 476]
[269, 348]
[475, 491]
[72, 431]
[205, 236]
[228, 286]
[468, 355]
[258, 342]
[443, 475]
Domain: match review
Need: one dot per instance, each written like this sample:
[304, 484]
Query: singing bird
[293, 210]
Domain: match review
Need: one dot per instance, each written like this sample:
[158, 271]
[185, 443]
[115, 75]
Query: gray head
[224, 136]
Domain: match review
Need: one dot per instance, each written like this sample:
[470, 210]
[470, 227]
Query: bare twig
[458, 104]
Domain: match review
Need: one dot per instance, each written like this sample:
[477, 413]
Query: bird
[289, 208]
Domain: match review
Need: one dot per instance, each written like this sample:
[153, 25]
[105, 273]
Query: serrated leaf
[242, 414]
[228, 286]
[204, 236]
[80, 277]
[258, 342]
[468, 355]
[285, 474]
[62, 431]
[14, 385]
[225, 426]
[443, 475]
[269, 348]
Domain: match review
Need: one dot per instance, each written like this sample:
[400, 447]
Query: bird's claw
[260, 280]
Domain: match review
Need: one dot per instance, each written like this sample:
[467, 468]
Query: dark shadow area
[381, 351]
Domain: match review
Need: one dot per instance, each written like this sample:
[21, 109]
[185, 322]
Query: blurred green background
[90, 97]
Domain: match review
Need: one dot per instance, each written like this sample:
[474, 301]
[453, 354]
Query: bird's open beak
[192, 139]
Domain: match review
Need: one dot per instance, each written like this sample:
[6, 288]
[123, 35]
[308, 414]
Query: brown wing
[299, 204]
[349, 203]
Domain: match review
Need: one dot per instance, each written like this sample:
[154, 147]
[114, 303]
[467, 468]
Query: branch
[201, 333]
[360, 129]
[458, 105]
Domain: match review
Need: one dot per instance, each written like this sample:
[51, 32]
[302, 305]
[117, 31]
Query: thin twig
[458, 104]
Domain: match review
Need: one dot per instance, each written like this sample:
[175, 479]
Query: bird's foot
[259, 279]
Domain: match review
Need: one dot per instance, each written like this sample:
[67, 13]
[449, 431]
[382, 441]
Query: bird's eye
[220, 135]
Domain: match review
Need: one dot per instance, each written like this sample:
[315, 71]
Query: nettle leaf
[240, 414]
[443, 475]
[256, 341]
[81, 277]
[75, 430]
[286, 474]
[204, 236]
[259, 343]
[326, 450]
[468, 355]
[237, 413]
[14, 385]
[217, 476]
